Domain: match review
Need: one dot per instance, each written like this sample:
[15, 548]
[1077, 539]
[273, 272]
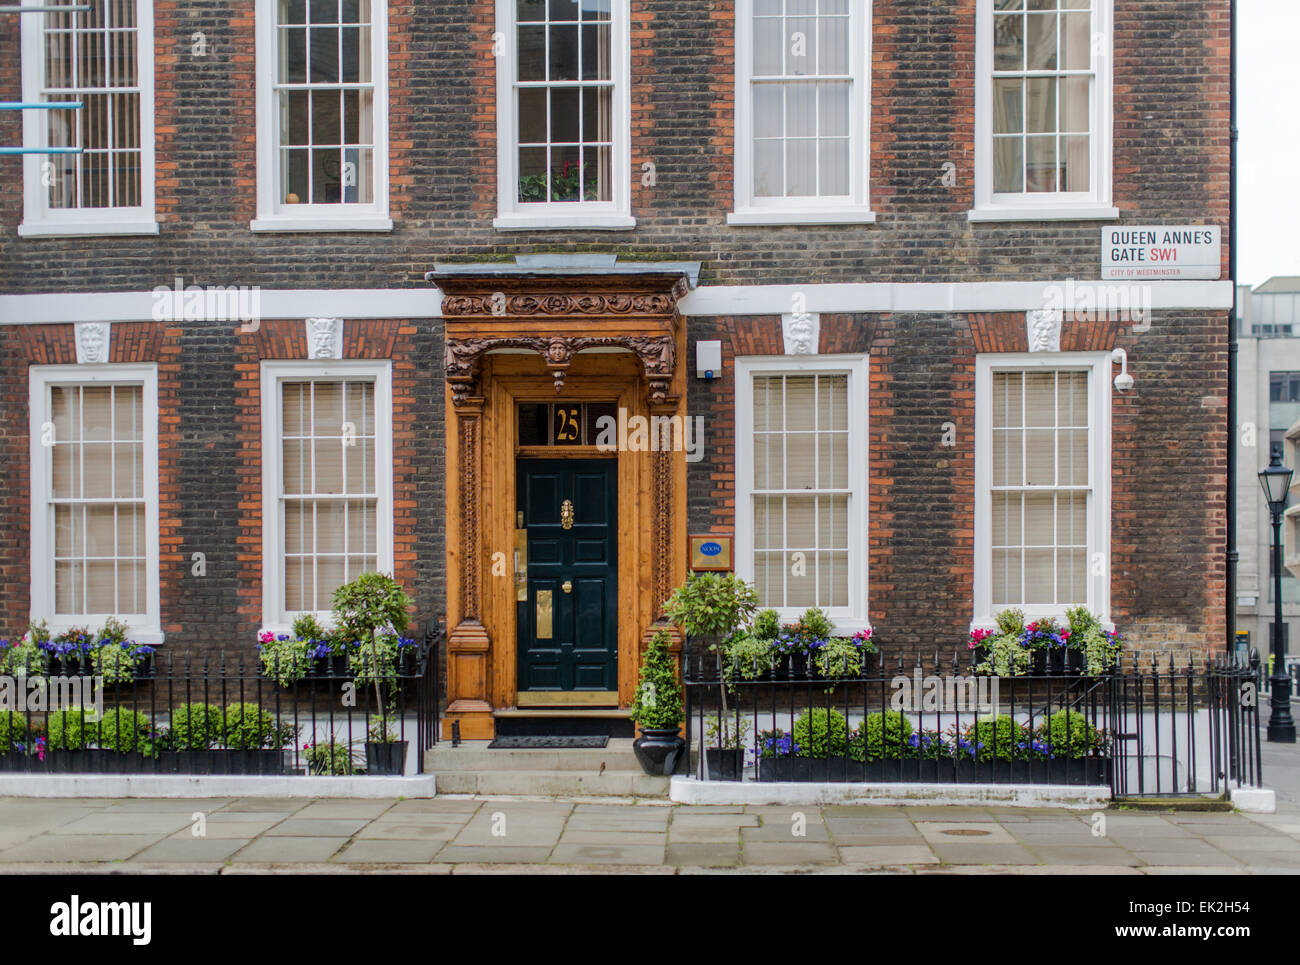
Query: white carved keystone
[1044, 327]
[324, 338]
[802, 332]
[92, 342]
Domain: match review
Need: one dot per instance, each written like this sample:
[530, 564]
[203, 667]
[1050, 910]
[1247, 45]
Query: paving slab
[393, 852]
[800, 853]
[457, 854]
[584, 836]
[1076, 855]
[79, 847]
[965, 833]
[289, 850]
[1207, 859]
[703, 855]
[191, 849]
[625, 854]
[405, 831]
[137, 822]
[888, 855]
[982, 854]
[705, 835]
[317, 827]
[344, 809]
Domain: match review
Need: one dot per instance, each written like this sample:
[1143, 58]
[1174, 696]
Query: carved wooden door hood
[558, 316]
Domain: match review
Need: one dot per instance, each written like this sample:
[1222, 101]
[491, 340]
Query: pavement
[451, 835]
[476, 835]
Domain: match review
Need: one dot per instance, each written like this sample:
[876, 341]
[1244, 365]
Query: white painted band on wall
[355, 303]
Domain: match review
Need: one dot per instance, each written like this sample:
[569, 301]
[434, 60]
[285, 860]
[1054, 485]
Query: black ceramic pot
[387, 757]
[724, 764]
[660, 751]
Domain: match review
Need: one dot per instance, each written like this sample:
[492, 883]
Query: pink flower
[266, 636]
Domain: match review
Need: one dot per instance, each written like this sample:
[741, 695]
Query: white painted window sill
[74, 229]
[1064, 212]
[576, 222]
[366, 223]
[811, 216]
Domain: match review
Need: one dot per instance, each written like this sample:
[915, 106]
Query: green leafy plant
[882, 735]
[1004, 653]
[767, 625]
[307, 627]
[38, 631]
[727, 733]
[746, 655]
[1099, 647]
[113, 631]
[286, 661]
[70, 731]
[814, 624]
[1069, 734]
[821, 733]
[658, 701]
[22, 658]
[839, 657]
[1000, 738]
[331, 758]
[195, 727]
[127, 731]
[117, 662]
[712, 605]
[14, 730]
[247, 727]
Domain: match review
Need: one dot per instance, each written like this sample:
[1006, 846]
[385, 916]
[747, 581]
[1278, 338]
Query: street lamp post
[1275, 480]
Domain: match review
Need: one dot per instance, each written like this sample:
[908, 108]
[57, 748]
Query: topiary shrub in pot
[193, 731]
[816, 749]
[372, 609]
[657, 709]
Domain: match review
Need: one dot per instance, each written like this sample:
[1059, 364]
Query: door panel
[581, 652]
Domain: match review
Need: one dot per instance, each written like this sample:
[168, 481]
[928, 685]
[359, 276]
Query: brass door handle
[567, 586]
[566, 514]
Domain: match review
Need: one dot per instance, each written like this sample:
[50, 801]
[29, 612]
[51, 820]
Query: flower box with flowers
[1044, 648]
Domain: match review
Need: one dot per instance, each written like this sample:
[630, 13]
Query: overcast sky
[1268, 176]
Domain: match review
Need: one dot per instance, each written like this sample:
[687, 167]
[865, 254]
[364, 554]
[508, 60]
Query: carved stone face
[93, 343]
[1044, 332]
[322, 337]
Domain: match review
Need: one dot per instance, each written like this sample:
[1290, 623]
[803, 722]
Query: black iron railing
[220, 713]
[1162, 728]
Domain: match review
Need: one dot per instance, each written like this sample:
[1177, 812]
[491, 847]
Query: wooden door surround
[513, 338]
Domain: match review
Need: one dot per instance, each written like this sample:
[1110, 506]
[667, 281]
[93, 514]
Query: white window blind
[801, 491]
[329, 496]
[97, 500]
[1041, 488]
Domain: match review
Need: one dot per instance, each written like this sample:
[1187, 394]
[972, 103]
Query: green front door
[568, 624]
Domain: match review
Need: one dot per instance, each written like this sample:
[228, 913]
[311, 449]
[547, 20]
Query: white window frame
[144, 627]
[1098, 367]
[853, 209]
[612, 215]
[272, 215]
[855, 616]
[39, 219]
[1094, 204]
[274, 615]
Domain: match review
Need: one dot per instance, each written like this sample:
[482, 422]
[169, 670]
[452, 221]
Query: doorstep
[690, 790]
[213, 785]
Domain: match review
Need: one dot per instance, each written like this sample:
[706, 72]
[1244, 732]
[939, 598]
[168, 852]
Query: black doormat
[551, 742]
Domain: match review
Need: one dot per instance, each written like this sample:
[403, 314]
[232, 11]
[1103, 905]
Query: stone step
[475, 756]
[560, 783]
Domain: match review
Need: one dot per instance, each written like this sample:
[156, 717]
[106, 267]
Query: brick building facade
[912, 227]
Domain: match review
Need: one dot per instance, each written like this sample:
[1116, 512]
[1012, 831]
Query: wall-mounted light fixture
[1123, 381]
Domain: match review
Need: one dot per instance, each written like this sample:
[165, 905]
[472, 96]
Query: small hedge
[126, 732]
[821, 733]
[881, 736]
[70, 731]
[14, 729]
[195, 727]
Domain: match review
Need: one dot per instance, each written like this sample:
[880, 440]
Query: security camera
[1123, 381]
